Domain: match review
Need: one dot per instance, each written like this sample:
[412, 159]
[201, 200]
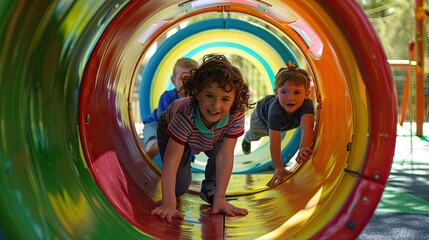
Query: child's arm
[275, 150]
[172, 157]
[307, 135]
[224, 164]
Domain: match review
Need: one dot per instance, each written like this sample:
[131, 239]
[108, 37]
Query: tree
[394, 22]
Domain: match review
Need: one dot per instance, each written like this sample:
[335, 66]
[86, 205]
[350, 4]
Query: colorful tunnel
[71, 162]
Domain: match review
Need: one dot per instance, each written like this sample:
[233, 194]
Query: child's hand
[221, 205]
[167, 212]
[304, 154]
[279, 173]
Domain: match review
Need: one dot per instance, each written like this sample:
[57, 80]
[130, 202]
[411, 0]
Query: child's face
[177, 79]
[291, 97]
[214, 104]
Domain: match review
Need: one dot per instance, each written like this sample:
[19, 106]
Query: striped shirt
[179, 118]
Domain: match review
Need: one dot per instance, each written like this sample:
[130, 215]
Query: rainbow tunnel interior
[72, 165]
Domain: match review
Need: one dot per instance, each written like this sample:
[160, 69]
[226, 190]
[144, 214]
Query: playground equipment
[416, 65]
[71, 164]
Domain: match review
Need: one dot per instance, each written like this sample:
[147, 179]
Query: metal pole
[420, 16]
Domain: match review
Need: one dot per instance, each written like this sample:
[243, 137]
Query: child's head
[293, 75]
[181, 68]
[292, 87]
[218, 70]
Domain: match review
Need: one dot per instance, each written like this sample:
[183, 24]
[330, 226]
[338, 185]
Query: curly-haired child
[209, 119]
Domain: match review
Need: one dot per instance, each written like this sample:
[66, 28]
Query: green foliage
[394, 22]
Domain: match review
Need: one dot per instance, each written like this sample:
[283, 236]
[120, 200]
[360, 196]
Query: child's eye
[226, 99]
[209, 96]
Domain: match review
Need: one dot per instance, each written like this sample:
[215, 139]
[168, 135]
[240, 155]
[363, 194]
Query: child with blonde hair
[181, 68]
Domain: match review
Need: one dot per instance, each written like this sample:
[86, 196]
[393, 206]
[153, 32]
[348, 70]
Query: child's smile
[212, 113]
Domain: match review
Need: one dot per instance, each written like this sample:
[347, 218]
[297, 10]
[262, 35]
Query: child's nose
[216, 103]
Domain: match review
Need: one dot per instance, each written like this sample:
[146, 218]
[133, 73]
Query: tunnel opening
[257, 55]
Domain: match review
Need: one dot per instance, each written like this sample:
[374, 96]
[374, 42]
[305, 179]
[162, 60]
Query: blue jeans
[149, 132]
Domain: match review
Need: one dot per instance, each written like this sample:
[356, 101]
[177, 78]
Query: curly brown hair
[217, 69]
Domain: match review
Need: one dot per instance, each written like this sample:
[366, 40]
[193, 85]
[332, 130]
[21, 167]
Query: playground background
[403, 211]
[395, 23]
